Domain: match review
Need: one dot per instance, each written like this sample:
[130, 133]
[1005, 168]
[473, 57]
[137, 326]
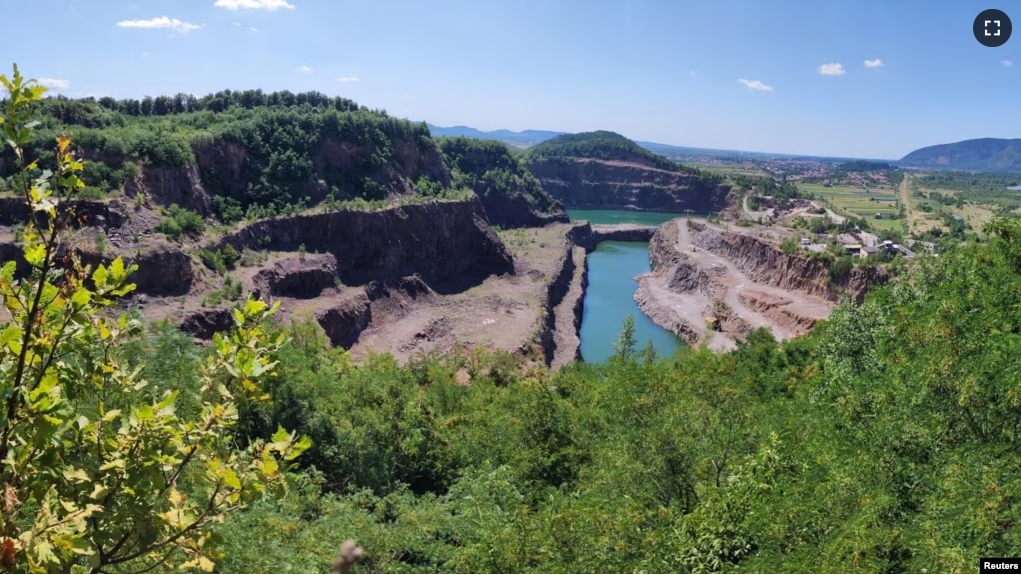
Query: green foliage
[181, 222]
[220, 260]
[602, 145]
[839, 268]
[493, 172]
[790, 245]
[99, 469]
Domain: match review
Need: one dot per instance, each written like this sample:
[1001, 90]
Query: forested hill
[600, 145]
[248, 153]
[980, 154]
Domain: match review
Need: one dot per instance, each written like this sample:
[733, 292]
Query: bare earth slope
[713, 286]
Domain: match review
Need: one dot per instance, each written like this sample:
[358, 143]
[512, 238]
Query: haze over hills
[979, 154]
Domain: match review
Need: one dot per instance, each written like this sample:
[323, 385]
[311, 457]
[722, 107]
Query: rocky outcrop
[171, 185]
[448, 243]
[301, 277]
[569, 312]
[343, 323]
[555, 292]
[163, 270]
[608, 184]
[588, 236]
[204, 324]
[768, 265]
[516, 211]
[14, 211]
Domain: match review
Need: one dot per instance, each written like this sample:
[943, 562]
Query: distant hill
[600, 145]
[521, 139]
[981, 154]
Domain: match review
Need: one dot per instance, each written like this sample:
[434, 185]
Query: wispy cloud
[692, 73]
[161, 22]
[1007, 63]
[53, 83]
[145, 53]
[756, 85]
[254, 4]
[254, 29]
[348, 79]
[305, 69]
[833, 69]
[877, 63]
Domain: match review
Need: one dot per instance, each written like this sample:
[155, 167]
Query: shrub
[181, 222]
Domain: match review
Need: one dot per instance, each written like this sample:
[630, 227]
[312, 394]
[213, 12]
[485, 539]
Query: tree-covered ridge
[252, 149]
[979, 154]
[602, 145]
[491, 169]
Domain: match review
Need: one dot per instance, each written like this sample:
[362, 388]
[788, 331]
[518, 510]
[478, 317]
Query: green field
[853, 200]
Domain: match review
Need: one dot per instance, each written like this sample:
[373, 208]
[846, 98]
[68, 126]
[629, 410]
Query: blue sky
[668, 71]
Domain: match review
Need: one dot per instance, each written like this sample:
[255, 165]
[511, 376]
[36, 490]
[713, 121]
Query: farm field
[855, 200]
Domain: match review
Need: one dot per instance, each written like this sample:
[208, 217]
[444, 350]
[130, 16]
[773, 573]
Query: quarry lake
[621, 217]
[611, 289]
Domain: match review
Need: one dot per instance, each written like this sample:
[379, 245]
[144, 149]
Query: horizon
[770, 79]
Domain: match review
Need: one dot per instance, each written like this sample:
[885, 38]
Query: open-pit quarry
[712, 286]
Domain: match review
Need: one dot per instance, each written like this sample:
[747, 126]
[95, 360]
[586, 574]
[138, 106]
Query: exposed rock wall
[767, 264]
[343, 323]
[516, 212]
[444, 242]
[14, 211]
[167, 186]
[299, 277]
[555, 292]
[591, 183]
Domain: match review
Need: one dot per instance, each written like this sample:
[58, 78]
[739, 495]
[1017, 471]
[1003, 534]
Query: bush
[840, 267]
[181, 222]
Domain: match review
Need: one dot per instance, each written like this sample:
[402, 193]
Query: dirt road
[733, 282]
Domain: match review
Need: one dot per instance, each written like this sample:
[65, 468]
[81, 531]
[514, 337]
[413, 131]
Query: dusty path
[767, 213]
[905, 200]
[734, 281]
[683, 292]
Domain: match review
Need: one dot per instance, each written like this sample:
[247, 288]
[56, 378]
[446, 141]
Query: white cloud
[877, 63]
[53, 83]
[833, 69]
[692, 73]
[145, 53]
[237, 23]
[1007, 63]
[161, 22]
[305, 69]
[254, 29]
[756, 85]
[254, 4]
[348, 79]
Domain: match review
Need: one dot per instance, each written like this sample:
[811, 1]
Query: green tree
[100, 469]
[624, 347]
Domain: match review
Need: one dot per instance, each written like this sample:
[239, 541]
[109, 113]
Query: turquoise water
[621, 217]
[610, 298]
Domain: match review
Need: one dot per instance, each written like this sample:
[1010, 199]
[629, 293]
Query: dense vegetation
[601, 145]
[980, 154]
[977, 187]
[885, 441]
[494, 173]
[257, 153]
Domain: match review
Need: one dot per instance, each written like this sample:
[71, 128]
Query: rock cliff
[448, 243]
[766, 264]
[613, 184]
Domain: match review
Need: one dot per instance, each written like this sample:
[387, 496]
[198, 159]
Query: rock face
[343, 323]
[445, 243]
[768, 265]
[203, 324]
[166, 186]
[299, 277]
[14, 211]
[516, 212]
[608, 184]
